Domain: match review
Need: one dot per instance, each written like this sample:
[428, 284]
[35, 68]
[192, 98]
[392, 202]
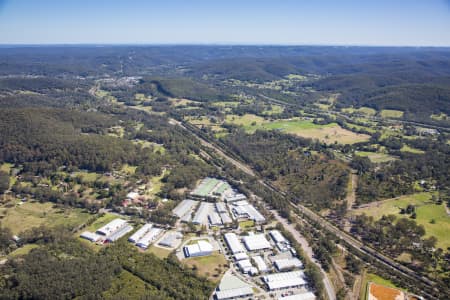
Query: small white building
[233, 243]
[240, 256]
[288, 263]
[145, 241]
[135, 237]
[260, 264]
[201, 248]
[245, 265]
[111, 227]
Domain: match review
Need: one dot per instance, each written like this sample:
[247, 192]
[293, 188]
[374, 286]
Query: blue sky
[310, 22]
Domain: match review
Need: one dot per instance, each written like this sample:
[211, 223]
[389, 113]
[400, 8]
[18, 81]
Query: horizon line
[222, 44]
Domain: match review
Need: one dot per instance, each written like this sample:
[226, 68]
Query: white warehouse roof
[234, 293]
[135, 237]
[111, 227]
[198, 249]
[148, 238]
[184, 207]
[256, 242]
[260, 263]
[240, 256]
[287, 263]
[119, 233]
[93, 237]
[245, 265]
[233, 243]
[277, 236]
[284, 280]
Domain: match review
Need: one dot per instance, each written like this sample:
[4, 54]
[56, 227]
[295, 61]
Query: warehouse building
[201, 217]
[260, 264]
[240, 256]
[303, 296]
[149, 238]
[201, 248]
[278, 237]
[225, 217]
[90, 236]
[233, 197]
[135, 237]
[119, 233]
[184, 209]
[278, 281]
[245, 265]
[233, 243]
[256, 242]
[243, 209]
[231, 287]
[288, 263]
[243, 292]
[111, 227]
[214, 219]
[171, 239]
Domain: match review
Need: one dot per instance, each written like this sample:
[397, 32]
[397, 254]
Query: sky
[292, 22]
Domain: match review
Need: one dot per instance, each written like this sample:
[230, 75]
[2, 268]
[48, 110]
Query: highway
[325, 224]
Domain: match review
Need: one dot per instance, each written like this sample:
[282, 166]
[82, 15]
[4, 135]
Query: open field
[362, 110]
[439, 117]
[375, 157]
[159, 252]
[6, 167]
[25, 249]
[208, 266]
[34, 214]
[86, 176]
[391, 113]
[409, 149]
[329, 133]
[248, 121]
[246, 224]
[226, 103]
[425, 210]
[381, 292]
[274, 109]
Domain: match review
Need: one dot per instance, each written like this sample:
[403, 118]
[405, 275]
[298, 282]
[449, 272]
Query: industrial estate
[260, 258]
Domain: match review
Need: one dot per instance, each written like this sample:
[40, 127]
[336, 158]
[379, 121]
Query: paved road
[308, 251]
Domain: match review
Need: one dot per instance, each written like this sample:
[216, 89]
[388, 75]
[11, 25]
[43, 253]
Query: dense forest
[313, 179]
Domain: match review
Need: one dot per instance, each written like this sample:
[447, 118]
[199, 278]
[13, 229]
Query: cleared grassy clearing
[328, 133]
[425, 210]
[247, 224]
[249, 121]
[274, 110]
[211, 266]
[159, 252]
[439, 117]
[86, 177]
[130, 170]
[25, 249]
[34, 214]
[182, 102]
[391, 113]
[375, 157]
[226, 103]
[6, 167]
[409, 149]
[362, 110]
